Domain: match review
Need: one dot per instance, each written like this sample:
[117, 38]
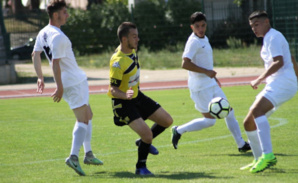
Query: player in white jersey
[203, 84]
[70, 80]
[281, 86]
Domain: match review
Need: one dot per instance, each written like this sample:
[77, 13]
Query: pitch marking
[282, 122]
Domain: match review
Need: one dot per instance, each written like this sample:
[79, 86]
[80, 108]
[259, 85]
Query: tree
[34, 5]
[18, 9]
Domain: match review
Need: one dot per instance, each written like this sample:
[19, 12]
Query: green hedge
[160, 24]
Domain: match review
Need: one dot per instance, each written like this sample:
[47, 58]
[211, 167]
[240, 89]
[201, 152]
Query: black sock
[143, 152]
[157, 129]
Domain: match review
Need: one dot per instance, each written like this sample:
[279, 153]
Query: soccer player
[71, 81]
[203, 84]
[281, 86]
[130, 106]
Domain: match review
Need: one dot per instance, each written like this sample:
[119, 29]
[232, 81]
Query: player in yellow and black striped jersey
[124, 72]
[130, 106]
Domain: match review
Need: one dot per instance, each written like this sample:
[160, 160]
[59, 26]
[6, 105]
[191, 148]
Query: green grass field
[36, 138]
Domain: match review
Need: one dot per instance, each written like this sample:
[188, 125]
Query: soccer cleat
[249, 166]
[152, 149]
[73, 162]
[264, 162]
[90, 159]
[244, 148]
[143, 171]
[175, 137]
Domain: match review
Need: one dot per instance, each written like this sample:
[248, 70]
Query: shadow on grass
[164, 175]
[248, 154]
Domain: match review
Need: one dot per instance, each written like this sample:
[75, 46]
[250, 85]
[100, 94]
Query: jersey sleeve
[38, 43]
[116, 73]
[275, 46]
[190, 50]
[58, 47]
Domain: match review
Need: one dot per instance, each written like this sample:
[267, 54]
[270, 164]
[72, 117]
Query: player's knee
[169, 121]
[256, 112]
[83, 120]
[210, 122]
[249, 123]
[91, 116]
[147, 138]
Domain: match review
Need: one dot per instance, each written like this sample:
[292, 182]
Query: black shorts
[126, 111]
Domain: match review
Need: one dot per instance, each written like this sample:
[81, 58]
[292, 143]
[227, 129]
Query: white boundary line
[282, 121]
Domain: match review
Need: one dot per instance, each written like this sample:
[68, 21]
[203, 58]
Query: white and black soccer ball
[219, 107]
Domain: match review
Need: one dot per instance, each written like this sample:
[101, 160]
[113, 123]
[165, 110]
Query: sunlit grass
[36, 138]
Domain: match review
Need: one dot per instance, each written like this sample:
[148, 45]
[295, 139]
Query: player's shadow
[167, 175]
[248, 154]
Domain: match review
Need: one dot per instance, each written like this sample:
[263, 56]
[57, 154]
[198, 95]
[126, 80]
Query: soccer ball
[219, 107]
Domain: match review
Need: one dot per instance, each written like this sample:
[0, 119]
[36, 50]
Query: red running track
[21, 93]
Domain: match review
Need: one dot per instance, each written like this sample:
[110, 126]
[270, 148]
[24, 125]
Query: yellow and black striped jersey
[124, 72]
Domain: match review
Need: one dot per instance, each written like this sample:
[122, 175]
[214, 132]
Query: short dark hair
[197, 16]
[54, 6]
[258, 14]
[123, 29]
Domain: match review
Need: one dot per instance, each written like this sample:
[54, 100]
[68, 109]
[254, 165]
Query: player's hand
[211, 73]
[129, 93]
[40, 86]
[57, 95]
[255, 83]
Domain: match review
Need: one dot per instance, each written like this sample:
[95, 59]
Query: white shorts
[203, 97]
[277, 93]
[77, 95]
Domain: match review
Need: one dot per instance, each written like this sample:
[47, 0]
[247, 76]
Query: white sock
[78, 137]
[195, 125]
[253, 139]
[87, 141]
[264, 134]
[234, 128]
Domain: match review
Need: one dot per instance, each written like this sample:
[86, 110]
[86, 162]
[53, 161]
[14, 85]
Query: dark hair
[123, 29]
[197, 16]
[54, 6]
[258, 14]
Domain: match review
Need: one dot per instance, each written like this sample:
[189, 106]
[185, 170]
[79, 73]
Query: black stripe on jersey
[115, 82]
[135, 63]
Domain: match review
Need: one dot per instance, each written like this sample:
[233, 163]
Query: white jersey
[275, 44]
[56, 45]
[199, 51]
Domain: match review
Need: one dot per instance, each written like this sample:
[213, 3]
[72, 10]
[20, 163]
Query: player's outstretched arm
[37, 66]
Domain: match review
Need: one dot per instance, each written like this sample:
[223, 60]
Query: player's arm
[57, 95]
[295, 66]
[117, 93]
[277, 63]
[218, 82]
[188, 65]
[37, 66]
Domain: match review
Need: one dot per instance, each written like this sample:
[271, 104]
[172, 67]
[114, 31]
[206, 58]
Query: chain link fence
[227, 24]
[285, 19]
